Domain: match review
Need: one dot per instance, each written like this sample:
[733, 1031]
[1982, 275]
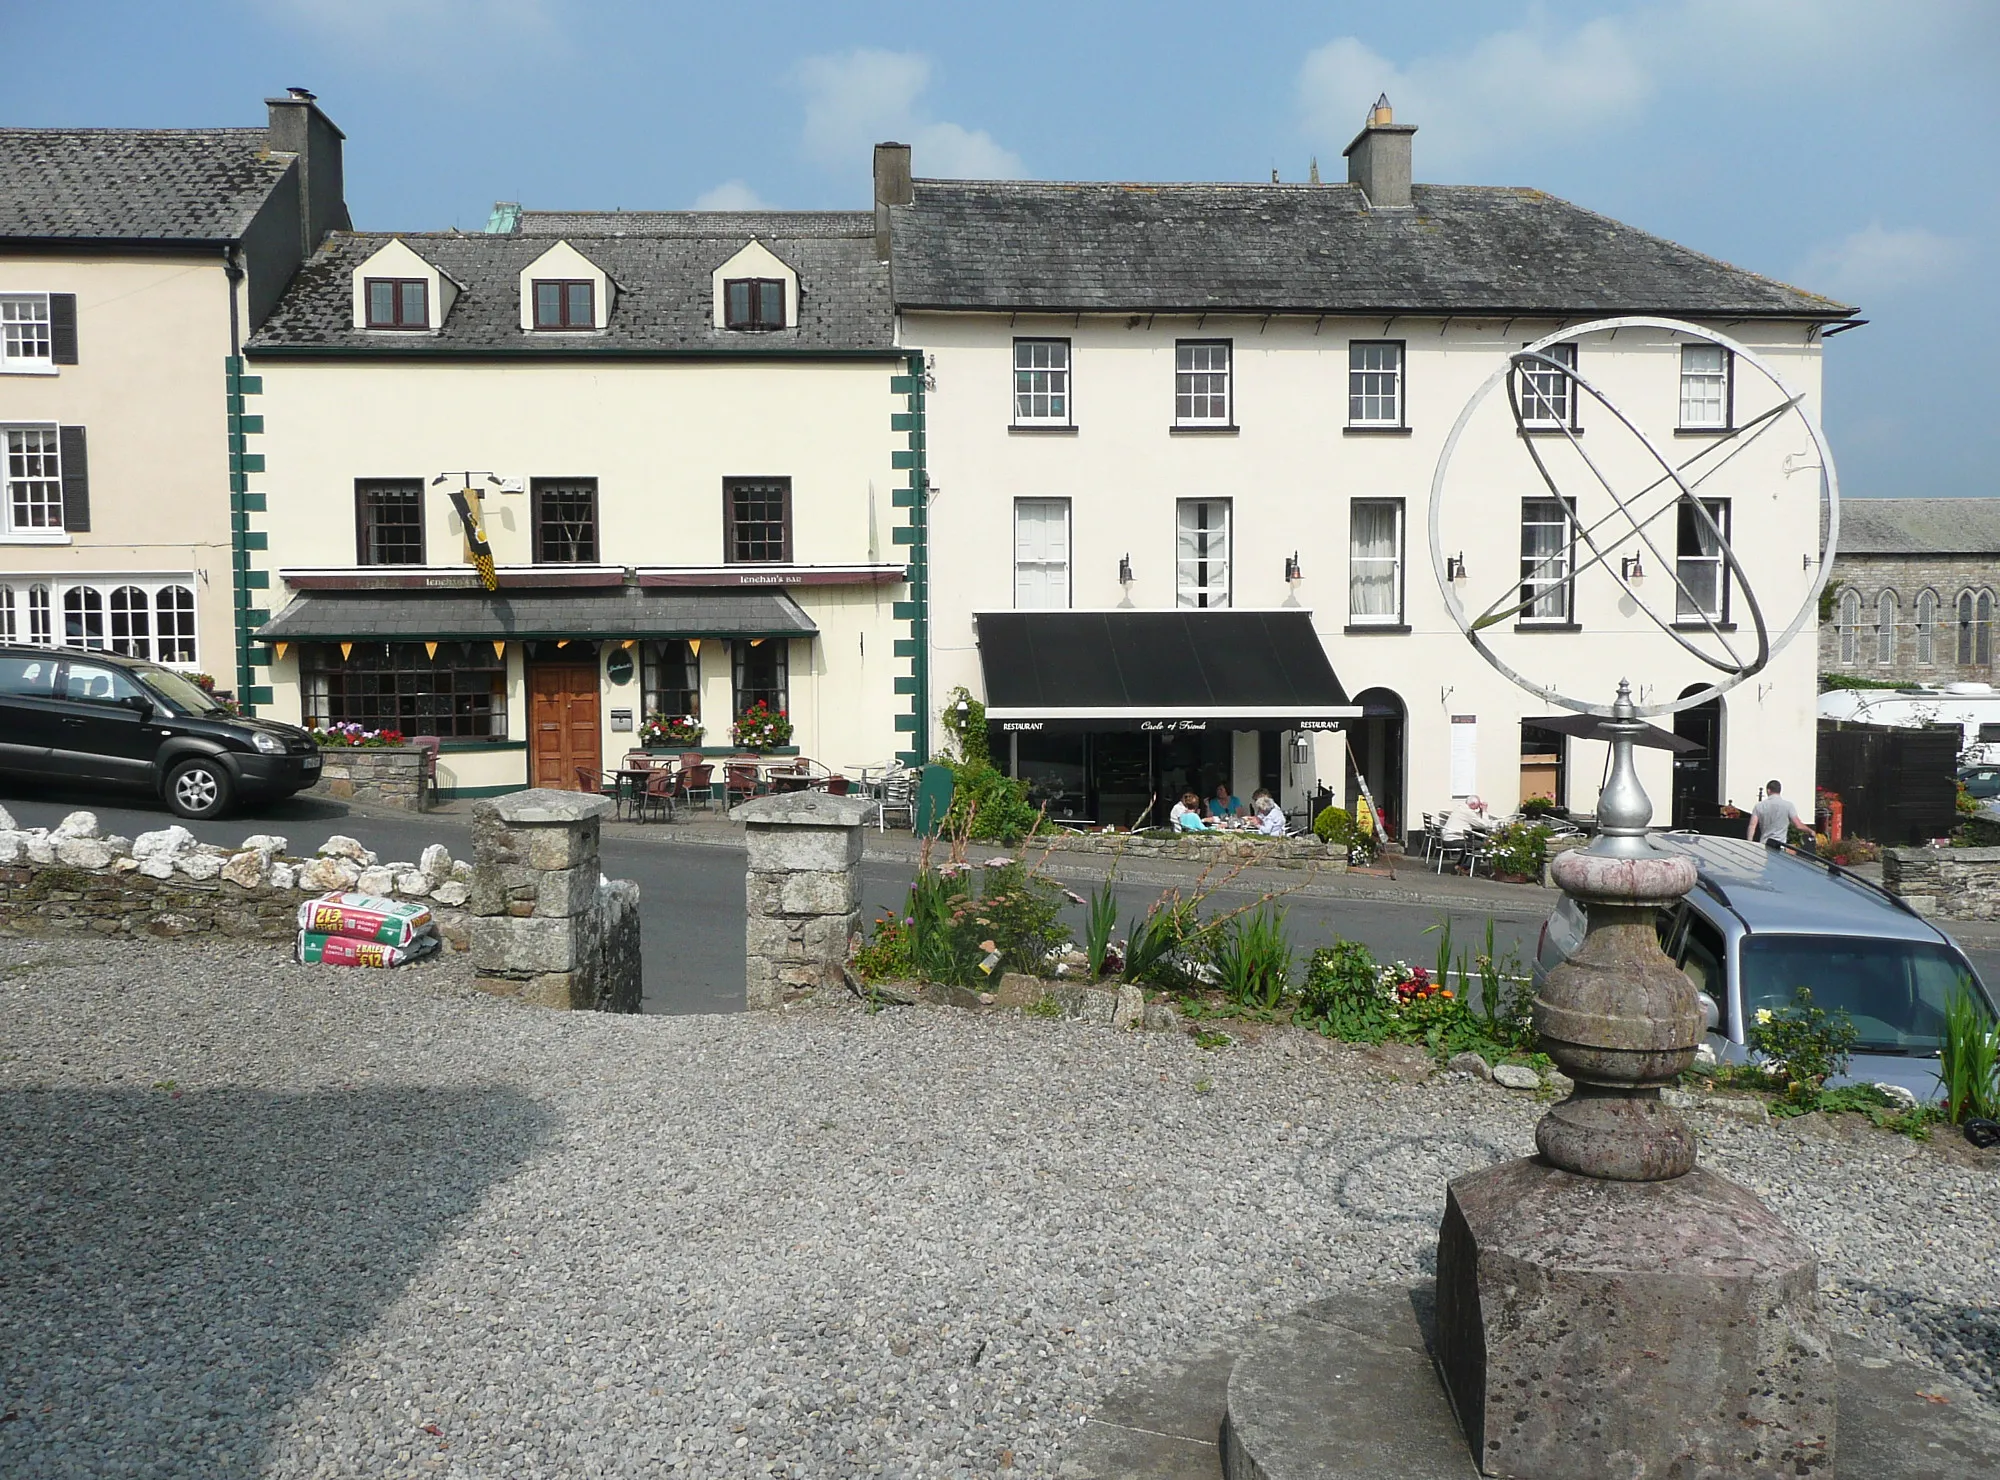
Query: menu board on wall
[1464, 754]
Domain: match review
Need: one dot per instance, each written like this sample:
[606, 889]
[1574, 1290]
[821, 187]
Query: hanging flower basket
[760, 727]
[672, 730]
[345, 736]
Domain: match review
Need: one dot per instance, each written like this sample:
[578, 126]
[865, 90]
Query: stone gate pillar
[802, 892]
[546, 928]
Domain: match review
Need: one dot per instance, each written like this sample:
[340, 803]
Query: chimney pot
[1379, 158]
[303, 94]
[893, 187]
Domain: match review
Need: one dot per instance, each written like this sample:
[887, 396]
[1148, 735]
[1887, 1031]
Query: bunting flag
[346, 650]
[694, 646]
[463, 500]
[279, 649]
[430, 650]
[499, 649]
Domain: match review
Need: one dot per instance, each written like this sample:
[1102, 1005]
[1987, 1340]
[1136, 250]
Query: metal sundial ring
[1534, 370]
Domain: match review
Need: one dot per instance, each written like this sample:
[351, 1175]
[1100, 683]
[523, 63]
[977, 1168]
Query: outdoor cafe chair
[596, 783]
[696, 782]
[658, 795]
[738, 781]
[430, 745]
[898, 794]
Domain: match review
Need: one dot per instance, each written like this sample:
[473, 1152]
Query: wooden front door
[562, 711]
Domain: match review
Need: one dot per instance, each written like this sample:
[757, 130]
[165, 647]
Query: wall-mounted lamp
[1631, 568]
[1124, 570]
[1454, 567]
[964, 710]
[1811, 561]
[1292, 572]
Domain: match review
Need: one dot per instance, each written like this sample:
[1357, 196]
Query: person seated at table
[1225, 806]
[1466, 813]
[1186, 814]
[1270, 817]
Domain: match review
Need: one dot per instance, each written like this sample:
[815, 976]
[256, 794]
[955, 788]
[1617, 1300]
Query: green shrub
[1539, 807]
[1252, 957]
[988, 806]
[951, 924]
[1520, 848]
[1803, 1045]
[886, 956]
[1338, 828]
[1100, 923]
[1155, 944]
[967, 730]
[1343, 994]
[1969, 1060]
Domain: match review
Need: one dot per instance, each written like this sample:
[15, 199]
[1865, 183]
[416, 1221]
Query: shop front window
[458, 693]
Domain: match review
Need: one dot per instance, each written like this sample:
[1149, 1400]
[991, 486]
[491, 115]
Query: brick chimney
[1379, 158]
[298, 127]
[892, 188]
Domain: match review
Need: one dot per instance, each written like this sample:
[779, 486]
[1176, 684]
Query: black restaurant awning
[1589, 727]
[1067, 671]
[615, 612]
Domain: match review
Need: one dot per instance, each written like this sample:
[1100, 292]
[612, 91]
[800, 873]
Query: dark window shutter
[75, 480]
[62, 328]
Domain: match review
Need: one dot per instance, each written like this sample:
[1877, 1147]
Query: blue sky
[1849, 146]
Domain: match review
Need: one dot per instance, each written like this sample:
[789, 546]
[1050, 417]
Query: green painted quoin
[245, 582]
[914, 536]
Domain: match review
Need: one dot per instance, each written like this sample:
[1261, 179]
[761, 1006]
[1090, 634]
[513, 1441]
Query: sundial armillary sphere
[1663, 1318]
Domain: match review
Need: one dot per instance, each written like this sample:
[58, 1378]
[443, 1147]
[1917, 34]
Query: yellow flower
[1763, 1016]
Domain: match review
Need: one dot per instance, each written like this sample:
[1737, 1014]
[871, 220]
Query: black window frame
[541, 492]
[657, 658]
[754, 317]
[565, 319]
[1228, 348]
[1723, 511]
[1570, 419]
[732, 523]
[395, 686]
[773, 650]
[1525, 617]
[397, 318]
[367, 549]
[1728, 422]
[1067, 420]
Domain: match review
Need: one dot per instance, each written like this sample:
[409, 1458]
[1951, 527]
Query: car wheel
[198, 789]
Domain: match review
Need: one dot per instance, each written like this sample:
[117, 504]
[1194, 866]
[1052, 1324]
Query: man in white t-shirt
[1773, 818]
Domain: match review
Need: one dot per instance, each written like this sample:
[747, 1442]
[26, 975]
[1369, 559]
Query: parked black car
[72, 716]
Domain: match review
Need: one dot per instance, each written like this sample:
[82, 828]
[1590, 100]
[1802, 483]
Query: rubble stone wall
[75, 879]
[387, 775]
[1949, 883]
[1245, 848]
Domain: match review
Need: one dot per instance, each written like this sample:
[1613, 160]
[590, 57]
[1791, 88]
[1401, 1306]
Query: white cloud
[730, 195]
[1508, 98]
[856, 99]
[1879, 260]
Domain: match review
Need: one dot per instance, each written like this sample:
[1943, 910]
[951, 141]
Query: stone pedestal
[546, 926]
[802, 893]
[1651, 1330]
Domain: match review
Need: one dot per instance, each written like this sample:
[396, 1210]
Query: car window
[1894, 991]
[101, 685]
[28, 677]
[1701, 958]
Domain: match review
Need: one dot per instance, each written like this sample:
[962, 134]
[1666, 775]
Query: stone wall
[75, 879]
[1949, 883]
[1233, 848]
[1908, 575]
[387, 775]
[548, 927]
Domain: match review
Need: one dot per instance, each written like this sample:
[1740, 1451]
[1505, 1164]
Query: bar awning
[1069, 671]
[434, 616]
[1589, 727]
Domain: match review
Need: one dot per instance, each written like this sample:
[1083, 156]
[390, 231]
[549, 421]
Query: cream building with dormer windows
[683, 434]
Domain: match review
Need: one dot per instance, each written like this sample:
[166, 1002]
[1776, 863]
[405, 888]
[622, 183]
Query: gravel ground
[261, 1219]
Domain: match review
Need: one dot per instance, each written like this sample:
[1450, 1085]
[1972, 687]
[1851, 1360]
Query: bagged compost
[388, 922]
[318, 949]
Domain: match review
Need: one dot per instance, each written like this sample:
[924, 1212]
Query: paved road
[692, 893]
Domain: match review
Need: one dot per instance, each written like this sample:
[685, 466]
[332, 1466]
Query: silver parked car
[1762, 922]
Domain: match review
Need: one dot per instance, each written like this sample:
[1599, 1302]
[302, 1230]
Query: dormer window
[754, 303]
[565, 305]
[398, 303]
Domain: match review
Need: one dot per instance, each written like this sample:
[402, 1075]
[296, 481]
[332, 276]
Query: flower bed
[335, 737]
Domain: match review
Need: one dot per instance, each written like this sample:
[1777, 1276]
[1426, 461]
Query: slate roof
[1920, 526]
[624, 612]
[110, 184]
[664, 300]
[740, 224]
[1459, 249]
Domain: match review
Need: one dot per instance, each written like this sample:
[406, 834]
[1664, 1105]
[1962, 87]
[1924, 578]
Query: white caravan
[1973, 707]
